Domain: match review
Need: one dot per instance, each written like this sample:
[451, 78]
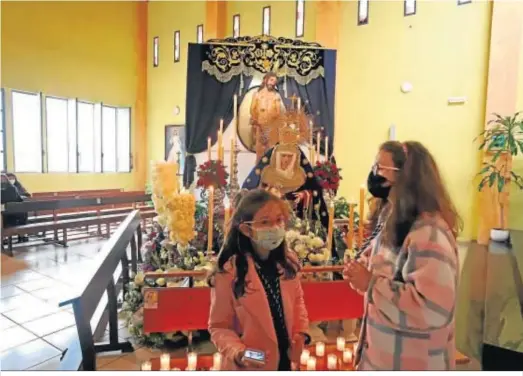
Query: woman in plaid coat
[409, 272]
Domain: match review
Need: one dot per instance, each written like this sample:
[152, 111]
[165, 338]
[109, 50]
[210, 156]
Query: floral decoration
[212, 173]
[328, 175]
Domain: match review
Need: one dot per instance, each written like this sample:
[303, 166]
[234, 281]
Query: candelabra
[234, 186]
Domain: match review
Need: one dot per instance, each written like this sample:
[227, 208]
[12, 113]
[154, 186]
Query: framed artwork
[266, 24]
[236, 26]
[175, 145]
[300, 18]
[409, 7]
[177, 46]
[363, 12]
[156, 51]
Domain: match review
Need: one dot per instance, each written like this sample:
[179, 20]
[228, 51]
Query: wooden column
[502, 94]
[215, 19]
[139, 149]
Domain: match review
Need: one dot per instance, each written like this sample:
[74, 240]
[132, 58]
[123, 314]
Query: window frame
[4, 138]
[93, 171]
[234, 18]
[405, 8]
[366, 20]
[42, 152]
[198, 29]
[303, 21]
[67, 128]
[156, 52]
[130, 156]
[268, 7]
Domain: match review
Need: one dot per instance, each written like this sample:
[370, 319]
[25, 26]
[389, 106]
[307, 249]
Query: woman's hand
[357, 275]
[297, 345]
[243, 362]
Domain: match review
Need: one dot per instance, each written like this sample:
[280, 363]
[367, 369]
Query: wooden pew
[92, 321]
[75, 193]
[56, 225]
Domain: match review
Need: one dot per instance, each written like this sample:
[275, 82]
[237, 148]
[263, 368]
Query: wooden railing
[82, 350]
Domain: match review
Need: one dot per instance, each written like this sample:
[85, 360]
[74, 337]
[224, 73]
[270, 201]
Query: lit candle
[231, 166]
[165, 362]
[235, 106]
[327, 148]
[226, 217]
[192, 360]
[311, 364]
[362, 211]
[330, 229]
[217, 361]
[221, 126]
[304, 357]
[318, 139]
[146, 366]
[210, 221]
[347, 356]
[350, 234]
[220, 141]
[320, 349]
[299, 104]
[340, 343]
[332, 362]
[208, 148]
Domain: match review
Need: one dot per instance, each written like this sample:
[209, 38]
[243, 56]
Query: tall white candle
[299, 104]
[311, 364]
[320, 349]
[235, 107]
[305, 355]
[340, 343]
[332, 362]
[327, 147]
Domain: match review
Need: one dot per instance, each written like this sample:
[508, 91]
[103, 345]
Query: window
[85, 129]
[177, 46]
[409, 7]
[363, 12]
[3, 160]
[27, 132]
[300, 18]
[123, 140]
[108, 139]
[236, 26]
[266, 25]
[199, 34]
[156, 51]
[71, 135]
[57, 134]
[462, 2]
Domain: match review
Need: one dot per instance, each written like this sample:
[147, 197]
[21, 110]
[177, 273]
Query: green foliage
[503, 136]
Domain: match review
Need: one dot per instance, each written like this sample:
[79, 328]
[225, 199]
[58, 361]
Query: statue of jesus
[266, 107]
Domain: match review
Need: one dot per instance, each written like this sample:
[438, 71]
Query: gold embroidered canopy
[226, 58]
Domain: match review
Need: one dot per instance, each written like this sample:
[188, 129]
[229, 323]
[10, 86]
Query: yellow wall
[166, 84]
[443, 52]
[70, 49]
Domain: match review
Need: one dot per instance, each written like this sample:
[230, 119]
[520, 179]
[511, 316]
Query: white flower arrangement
[309, 247]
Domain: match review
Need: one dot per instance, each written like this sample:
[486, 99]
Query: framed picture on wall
[175, 145]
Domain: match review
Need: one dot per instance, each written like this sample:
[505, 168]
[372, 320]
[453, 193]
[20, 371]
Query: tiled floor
[34, 331]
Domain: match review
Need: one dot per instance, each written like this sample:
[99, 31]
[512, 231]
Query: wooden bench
[80, 220]
[75, 193]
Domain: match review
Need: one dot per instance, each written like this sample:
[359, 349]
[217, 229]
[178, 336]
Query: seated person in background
[11, 194]
[21, 190]
[256, 296]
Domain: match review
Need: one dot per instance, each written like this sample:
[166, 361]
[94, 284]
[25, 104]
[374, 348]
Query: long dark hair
[377, 205]
[238, 245]
[418, 189]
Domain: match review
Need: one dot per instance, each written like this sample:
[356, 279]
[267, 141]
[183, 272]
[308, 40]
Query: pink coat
[409, 305]
[237, 324]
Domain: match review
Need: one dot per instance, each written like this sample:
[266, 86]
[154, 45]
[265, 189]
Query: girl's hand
[357, 275]
[297, 345]
[243, 362]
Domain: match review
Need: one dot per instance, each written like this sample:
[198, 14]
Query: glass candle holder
[192, 360]
[305, 355]
[340, 343]
[311, 364]
[165, 362]
[347, 356]
[320, 349]
[217, 361]
[146, 366]
[332, 362]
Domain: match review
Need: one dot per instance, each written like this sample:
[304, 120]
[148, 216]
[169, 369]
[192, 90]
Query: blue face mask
[269, 238]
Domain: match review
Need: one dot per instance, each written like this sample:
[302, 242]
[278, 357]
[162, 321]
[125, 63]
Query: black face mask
[375, 186]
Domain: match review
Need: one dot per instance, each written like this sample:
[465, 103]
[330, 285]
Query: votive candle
[192, 360]
[340, 343]
[304, 357]
[146, 366]
[217, 361]
[347, 356]
[332, 362]
[311, 364]
[320, 349]
[165, 362]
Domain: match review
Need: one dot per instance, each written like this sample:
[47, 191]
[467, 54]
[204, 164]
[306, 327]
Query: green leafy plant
[503, 136]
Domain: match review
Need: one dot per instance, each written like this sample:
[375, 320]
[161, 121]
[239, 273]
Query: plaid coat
[409, 306]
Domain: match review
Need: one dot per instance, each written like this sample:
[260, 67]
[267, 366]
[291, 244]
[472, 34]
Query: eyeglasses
[376, 167]
[280, 221]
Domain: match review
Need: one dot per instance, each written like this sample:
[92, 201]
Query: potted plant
[503, 137]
